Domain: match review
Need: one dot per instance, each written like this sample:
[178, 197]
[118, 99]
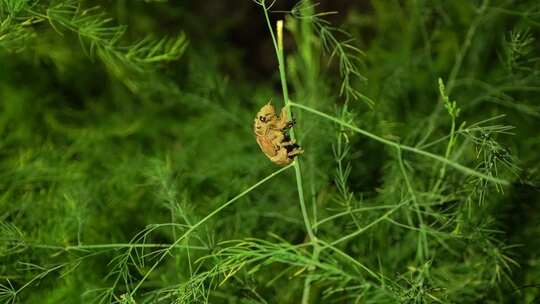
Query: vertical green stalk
[456, 68]
[278, 46]
[449, 146]
[422, 250]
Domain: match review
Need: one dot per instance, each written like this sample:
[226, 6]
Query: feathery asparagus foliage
[138, 180]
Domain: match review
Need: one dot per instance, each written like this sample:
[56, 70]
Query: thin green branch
[351, 259]
[110, 246]
[454, 112]
[436, 157]
[350, 212]
[456, 68]
[375, 222]
[206, 218]
[422, 247]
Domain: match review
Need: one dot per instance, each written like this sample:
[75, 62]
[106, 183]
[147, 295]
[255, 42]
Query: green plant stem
[109, 246]
[278, 46]
[349, 212]
[296, 163]
[352, 260]
[396, 145]
[422, 247]
[455, 70]
[37, 277]
[199, 223]
[449, 147]
[360, 231]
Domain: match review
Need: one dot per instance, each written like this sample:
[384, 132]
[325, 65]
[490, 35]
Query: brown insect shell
[269, 132]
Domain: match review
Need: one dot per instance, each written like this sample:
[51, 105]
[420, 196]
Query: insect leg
[295, 152]
[281, 158]
[287, 143]
[282, 123]
[290, 124]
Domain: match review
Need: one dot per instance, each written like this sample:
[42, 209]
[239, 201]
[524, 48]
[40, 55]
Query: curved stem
[199, 223]
[394, 144]
[109, 246]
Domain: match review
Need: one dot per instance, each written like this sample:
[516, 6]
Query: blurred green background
[123, 124]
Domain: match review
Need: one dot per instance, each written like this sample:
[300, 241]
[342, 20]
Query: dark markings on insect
[271, 132]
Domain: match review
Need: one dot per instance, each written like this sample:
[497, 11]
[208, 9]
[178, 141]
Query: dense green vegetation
[129, 171]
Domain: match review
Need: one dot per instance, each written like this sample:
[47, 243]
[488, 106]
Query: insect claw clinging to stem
[290, 124]
[288, 143]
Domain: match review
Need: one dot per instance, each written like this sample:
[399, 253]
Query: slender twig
[422, 249]
[109, 246]
[37, 277]
[349, 212]
[453, 111]
[351, 259]
[456, 68]
[436, 157]
[375, 222]
[199, 223]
